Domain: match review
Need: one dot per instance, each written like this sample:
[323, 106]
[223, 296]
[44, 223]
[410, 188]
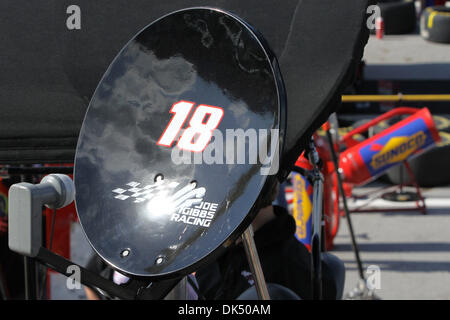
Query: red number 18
[198, 129]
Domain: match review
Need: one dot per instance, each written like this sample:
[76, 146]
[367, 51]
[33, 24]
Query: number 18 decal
[197, 136]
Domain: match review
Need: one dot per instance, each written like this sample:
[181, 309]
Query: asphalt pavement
[411, 250]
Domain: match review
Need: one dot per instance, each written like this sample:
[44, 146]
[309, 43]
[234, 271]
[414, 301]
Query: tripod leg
[255, 266]
[346, 210]
[413, 180]
[317, 239]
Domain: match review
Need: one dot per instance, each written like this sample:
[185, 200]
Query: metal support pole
[361, 291]
[346, 210]
[87, 277]
[29, 266]
[255, 265]
[317, 223]
[179, 292]
[30, 278]
[136, 289]
[395, 98]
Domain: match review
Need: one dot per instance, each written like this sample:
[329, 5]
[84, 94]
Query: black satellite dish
[145, 209]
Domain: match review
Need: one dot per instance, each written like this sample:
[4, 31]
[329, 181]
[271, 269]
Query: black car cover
[54, 53]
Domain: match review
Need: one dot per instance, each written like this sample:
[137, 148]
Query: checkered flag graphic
[186, 196]
[139, 193]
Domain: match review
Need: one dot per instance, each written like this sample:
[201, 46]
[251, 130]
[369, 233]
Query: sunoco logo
[397, 149]
[302, 206]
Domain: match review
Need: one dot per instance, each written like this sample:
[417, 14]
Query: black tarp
[49, 72]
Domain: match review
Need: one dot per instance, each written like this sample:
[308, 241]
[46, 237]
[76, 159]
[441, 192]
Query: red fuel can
[379, 26]
[374, 156]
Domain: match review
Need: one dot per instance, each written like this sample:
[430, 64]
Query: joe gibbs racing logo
[167, 199]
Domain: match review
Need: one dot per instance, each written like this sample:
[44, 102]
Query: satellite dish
[156, 190]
